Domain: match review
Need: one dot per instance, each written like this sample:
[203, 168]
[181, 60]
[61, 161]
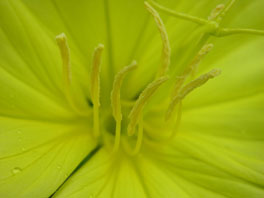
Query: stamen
[180, 15]
[65, 55]
[222, 14]
[136, 111]
[166, 51]
[216, 12]
[192, 68]
[201, 54]
[115, 100]
[136, 150]
[66, 70]
[190, 87]
[95, 86]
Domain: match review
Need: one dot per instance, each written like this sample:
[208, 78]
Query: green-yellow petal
[37, 157]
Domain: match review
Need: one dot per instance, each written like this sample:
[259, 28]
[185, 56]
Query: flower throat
[135, 127]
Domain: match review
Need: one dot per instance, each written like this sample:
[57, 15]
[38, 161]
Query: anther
[95, 87]
[115, 100]
[144, 97]
[190, 87]
[223, 12]
[166, 51]
[65, 55]
[216, 12]
[192, 68]
[66, 70]
[201, 54]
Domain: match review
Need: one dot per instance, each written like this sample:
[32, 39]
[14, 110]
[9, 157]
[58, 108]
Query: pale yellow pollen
[66, 71]
[146, 94]
[166, 51]
[115, 100]
[65, 55]
[192, 68]
[95, 86]
[115, 94]
[216, 12]
[223, 12]
[201, 54]
[190, 87]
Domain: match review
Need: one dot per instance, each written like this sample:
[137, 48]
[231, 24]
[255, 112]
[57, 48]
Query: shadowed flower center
[127, 124]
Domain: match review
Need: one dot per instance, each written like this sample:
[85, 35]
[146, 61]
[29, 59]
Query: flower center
[128, 122]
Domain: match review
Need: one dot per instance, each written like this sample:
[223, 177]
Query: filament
[180, 15]
[139, 141]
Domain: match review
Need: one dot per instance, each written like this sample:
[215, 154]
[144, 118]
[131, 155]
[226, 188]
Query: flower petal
[242, 76]
[105, 176]
[37, 157]
[29, 53]
[218, 150]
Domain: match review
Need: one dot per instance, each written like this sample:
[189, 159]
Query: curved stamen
[227, 7]
[192, 68]
[190, 87]
[95, 87]
[146, 94]
[115, 100]
[61, 40]
[166, 51]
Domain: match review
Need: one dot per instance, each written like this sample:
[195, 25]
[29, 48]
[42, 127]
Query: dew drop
[23, 149]
[16, 170]
[18, 132]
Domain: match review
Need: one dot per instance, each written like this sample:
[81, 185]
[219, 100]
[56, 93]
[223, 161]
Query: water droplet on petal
[16, 170]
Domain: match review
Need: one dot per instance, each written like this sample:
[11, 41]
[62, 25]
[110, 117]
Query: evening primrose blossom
[131, 99]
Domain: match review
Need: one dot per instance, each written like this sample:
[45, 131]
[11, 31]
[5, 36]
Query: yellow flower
[131, 99]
